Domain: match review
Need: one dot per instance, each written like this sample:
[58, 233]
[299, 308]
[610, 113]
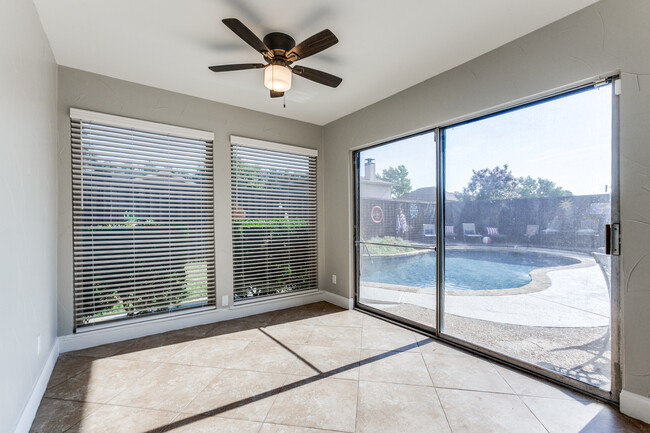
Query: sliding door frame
[437, 333]
[420, 327]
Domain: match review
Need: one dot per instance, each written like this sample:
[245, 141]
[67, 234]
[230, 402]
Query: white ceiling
[385, 46]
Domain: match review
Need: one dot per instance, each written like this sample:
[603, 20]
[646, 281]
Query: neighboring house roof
[427, 193]
[377, 182]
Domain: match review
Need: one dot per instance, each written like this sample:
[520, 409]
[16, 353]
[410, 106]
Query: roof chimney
[370, 169]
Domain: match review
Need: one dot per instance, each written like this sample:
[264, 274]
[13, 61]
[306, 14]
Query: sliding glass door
[524, 271]
[396, 258]
[531, 196]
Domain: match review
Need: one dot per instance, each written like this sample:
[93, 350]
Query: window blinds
[143, 218]
[274, 214]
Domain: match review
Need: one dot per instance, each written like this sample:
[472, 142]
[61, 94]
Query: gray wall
[108, 95]
[612, 35]
[28, 212]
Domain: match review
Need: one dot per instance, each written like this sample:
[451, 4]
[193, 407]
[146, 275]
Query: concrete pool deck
[577, 297]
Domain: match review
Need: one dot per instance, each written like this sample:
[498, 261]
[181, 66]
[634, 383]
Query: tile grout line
[518, 396]
[433, 385]
[202, 389]
[532, 413]
[275, 397]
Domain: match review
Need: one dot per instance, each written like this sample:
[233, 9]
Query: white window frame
[156, 256]
[242, 246]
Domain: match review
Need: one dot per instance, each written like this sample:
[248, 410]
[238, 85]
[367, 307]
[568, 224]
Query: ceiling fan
[280, 52]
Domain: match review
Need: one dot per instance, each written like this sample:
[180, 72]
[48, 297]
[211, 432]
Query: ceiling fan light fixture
[277, 78]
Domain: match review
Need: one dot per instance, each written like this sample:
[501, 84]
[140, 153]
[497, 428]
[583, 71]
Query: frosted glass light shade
[277, 78]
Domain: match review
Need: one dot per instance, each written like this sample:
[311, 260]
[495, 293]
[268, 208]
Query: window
[274, 219]
[143, 219]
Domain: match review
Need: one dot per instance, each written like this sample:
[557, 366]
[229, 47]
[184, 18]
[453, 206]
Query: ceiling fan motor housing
[279, 43]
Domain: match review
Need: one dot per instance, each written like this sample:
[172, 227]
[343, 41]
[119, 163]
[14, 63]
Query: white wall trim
[341, 301]
[635, 405]
[127, 331]
[29, 411]
[141, 125]
[269, 145]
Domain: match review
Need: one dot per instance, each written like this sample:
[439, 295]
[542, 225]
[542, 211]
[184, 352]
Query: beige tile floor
[311, 369]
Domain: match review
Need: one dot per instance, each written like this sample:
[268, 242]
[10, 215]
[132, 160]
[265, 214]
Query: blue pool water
[464, 269]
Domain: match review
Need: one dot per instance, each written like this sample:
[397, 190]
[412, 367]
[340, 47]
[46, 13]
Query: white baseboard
[29, 412]
[341, 301]
[635, 405]
[83, 340]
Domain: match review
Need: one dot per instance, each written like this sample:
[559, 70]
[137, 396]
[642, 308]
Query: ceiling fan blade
[248, 36]
[318, 76]
[238, 67]
[312, 45]
[276, 94]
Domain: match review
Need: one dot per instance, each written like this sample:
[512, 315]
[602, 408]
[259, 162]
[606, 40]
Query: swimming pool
[464, 269]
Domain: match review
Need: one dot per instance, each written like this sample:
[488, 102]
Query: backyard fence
[574, 223]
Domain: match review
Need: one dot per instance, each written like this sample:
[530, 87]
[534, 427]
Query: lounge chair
[429, 231]
[450, 232]
[469, 232]
[589, 232]
[554, 227]
[493, 232]
[531, 232]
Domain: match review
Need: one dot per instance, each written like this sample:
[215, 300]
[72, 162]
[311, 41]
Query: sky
[566, 140]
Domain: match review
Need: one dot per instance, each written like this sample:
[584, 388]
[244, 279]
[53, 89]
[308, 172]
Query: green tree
[495, 184]
[540, 187]
[399, 178]
[499, 184]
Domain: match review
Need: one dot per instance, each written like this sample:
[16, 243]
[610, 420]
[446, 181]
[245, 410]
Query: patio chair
[589, 232]
[493, 232]
[469, 232]
[554, 227]
[531, 232]
[450, 232]
[429, 231]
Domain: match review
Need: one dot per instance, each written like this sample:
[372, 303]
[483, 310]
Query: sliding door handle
[613, 239]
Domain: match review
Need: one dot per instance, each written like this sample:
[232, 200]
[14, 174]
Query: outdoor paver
[388, 408]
